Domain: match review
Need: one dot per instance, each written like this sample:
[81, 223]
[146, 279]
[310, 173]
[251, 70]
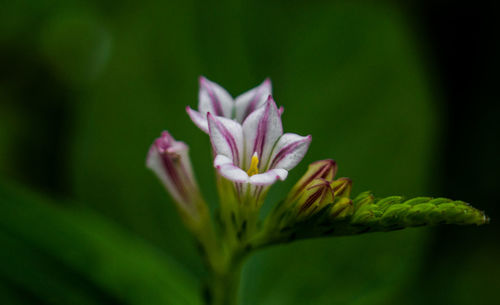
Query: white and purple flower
[216, 100]
[250, 150]
[255, 152]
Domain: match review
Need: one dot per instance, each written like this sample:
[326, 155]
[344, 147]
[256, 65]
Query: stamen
[254, 169]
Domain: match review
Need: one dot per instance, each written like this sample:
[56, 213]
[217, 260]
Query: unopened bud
[342, 187]
[342, 208]
[315, 196]
[169, 160]
[363, 199]
[324, 169]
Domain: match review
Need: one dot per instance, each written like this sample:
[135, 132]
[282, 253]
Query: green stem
[222, 288]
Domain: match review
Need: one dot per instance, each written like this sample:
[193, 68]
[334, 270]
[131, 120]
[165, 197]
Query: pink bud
[169, 160]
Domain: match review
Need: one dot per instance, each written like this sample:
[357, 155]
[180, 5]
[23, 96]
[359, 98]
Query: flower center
[253, 170]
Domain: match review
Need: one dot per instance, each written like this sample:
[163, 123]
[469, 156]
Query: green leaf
[73, 256]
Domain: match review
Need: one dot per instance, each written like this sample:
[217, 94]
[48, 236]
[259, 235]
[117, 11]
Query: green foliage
[102, 262]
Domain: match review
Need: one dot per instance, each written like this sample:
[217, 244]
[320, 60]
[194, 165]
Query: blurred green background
[401, 94]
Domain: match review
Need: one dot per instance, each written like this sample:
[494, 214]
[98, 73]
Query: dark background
[402, 94]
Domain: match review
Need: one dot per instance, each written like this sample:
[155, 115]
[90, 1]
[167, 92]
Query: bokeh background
[400, 93]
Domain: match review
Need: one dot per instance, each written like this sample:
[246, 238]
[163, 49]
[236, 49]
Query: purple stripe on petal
[231, 142]
[283, 153]
[216, 105]
[261, 129]
[288, 149]
[260, 139]
[256, 98]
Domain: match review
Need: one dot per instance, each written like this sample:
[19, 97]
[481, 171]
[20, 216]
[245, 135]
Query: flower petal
[251, 100]
[227, 169]
[214, 99]
[227, 137]
[269, 177]
[198, 119]
[261, 129]
[289, 151]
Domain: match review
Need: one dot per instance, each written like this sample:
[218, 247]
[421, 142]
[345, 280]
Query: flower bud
[362, 199]
[324, 169]
[169, 160]
[342, 187]
[342, 208]
[316, 195]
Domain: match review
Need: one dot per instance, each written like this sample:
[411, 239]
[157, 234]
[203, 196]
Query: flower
[169, 160]
[216, 100]
[256, 151]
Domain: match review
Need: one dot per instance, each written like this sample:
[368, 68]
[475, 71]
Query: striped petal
[227, 137]
[228, 170]
[198, 119]
[261, 129]
[269, 177]
[289, 151]
[214, 99]
[251, 100]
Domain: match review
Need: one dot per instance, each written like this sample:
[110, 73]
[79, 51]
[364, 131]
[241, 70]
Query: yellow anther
[254, 169]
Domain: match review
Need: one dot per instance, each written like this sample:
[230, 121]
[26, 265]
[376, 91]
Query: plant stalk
[222, 288]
